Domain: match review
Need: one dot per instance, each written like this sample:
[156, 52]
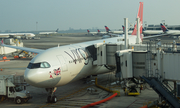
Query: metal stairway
[160, 89]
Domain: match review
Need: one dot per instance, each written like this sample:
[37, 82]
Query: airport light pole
[36, 26]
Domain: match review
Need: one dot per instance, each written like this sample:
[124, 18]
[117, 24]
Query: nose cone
[30, 77]
[40, 78]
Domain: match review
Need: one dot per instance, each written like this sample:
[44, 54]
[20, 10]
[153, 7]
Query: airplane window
[38, 65]
[42, 65]
[46, 65]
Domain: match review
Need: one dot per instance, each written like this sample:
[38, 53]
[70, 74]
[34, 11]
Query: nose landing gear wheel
[54, 99]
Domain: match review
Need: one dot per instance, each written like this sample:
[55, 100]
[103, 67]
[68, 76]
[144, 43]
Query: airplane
[152, 32]
[92, 33]
[129, 31]
[12, 35]
[169, 32]
[61, 65]
[47, 33]
[101, 33]
[114, 32]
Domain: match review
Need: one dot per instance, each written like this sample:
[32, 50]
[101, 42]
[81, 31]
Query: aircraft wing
[154, 36]
[24, 48]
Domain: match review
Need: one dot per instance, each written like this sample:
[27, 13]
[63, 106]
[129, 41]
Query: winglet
[163, 27]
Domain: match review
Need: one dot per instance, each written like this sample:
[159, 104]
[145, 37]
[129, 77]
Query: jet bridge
[136, 61]
[129, 63]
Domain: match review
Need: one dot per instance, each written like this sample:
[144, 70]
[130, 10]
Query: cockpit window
[38, 65]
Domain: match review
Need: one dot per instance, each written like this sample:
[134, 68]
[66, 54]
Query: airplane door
[63, 63]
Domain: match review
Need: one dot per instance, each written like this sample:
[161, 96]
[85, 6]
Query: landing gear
[52, 99]
[51, 96]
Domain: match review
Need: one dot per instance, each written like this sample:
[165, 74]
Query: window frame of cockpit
[40, 63]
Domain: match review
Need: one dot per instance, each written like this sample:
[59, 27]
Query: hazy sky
[22, 15]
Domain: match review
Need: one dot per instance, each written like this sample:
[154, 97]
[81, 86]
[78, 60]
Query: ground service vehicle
[14, 88]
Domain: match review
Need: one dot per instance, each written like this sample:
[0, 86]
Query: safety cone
[1, 69]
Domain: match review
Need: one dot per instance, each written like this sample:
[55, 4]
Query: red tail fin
[123, 28]
[98, 30]
[2, 42]
[140, 15]
[107, 29]
[88, 31]
[164, 28]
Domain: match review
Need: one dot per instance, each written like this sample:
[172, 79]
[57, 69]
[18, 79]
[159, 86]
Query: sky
[28, 15]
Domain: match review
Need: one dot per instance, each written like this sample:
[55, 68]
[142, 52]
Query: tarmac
[78, 93]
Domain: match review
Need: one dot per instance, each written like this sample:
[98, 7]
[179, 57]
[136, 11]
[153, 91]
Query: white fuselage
[173, 32]
[102, 33]
[93, 33]
[45, 33]
[17, 34]
[116, 32]
[152, 32]
[66, 64]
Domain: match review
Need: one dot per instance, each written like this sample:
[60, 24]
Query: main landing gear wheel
[52, 99]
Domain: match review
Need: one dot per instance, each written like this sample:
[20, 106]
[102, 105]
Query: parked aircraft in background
[113, 32]
[59, 66]
[152, 32]
[47, 33]
[101, 33]
[92, 33]
[129, 31]
[169, 32]
[14, 35]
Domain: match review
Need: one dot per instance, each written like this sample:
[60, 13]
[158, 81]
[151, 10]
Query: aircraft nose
[39, 78]
[30, 77]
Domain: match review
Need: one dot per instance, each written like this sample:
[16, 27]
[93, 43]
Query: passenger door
[63, 63]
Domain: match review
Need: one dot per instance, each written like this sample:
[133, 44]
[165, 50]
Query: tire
[54, 99]
[18, 100]
[49, 99]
